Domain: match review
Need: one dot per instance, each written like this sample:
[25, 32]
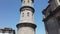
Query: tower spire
[26, 24]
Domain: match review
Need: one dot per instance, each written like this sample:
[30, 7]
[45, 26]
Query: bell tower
[26, 24]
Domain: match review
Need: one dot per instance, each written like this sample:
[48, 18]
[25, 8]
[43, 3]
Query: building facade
[52, 17]
[7, 31]
[26, 24]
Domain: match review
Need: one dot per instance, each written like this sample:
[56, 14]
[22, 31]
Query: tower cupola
[26, 24]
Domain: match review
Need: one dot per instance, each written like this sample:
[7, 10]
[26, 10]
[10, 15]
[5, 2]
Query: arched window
[23, 1]
[32, 1]
[22, 14]
[28, 1]
[27, 13]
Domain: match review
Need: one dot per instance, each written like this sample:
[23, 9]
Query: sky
[10, 14]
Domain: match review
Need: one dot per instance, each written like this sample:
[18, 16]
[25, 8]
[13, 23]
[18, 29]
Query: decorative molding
[26, 25]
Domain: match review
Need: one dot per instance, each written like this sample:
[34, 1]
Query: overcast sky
[10, 15]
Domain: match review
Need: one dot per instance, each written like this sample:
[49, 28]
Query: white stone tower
[26, 24]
